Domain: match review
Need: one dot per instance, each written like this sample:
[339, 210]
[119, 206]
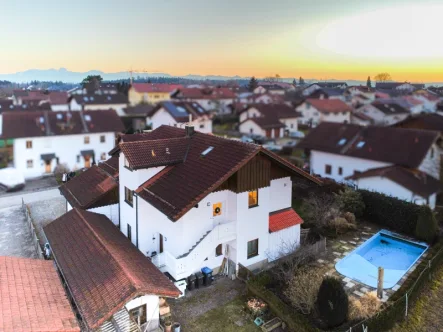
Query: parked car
[258, 139]
[296, 134]
[247, 139]
[11, 179]
[272, 147]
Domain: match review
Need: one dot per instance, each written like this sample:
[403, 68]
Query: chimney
[189, 130]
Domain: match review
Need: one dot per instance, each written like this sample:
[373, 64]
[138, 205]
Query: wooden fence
[38, 249]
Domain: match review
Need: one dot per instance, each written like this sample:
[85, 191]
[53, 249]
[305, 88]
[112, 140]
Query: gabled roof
[330, 84]
[426, 121]
[205, 93]
[330, 92]
[201, 173]
[103, 270]
[281, 111]
[89, 188]
[362, 88]
[266, 122]
[161, 152]
[48, 123]
[140, 109]
[390, 109]
[155, 87]
[99, 99]
[181, 111]
[6, 105]
[416, 181]
[58, 97]
[329, 105]
[405, 147]
[32, 297]
[283, 219]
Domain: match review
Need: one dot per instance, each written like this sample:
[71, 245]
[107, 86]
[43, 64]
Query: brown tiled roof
[206, 93]
[161, 152]
[428, 121]
[176, 189]
[140, 109]
[6, 105]
[110, 166]
[91, 186]
[389, 109]
[48, 123]
[266, 122]
[58, 97]
[281, 111]
[283, 219]
[181, 110]
[329, 105]
[100, 99]
[405, 147]
[32, 298]
[414, 180]
[102, 268]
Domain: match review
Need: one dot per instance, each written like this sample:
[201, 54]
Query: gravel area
[15, 235]
[43, 212]
[196, 303]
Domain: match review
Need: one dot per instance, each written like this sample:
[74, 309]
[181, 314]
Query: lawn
[425, 315]
[230, 317]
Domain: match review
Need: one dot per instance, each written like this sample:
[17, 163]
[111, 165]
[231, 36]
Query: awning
[87, 153]
[47, 156]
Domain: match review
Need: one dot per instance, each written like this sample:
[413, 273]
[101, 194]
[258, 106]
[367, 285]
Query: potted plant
[168, 325]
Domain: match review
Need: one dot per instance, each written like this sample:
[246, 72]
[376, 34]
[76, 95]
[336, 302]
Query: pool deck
[342, 246]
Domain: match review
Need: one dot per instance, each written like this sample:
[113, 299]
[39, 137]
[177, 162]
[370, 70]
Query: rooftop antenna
[131, 71]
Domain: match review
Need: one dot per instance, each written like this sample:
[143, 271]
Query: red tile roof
[329, 105]
[199, 175]
[102, 268]
[32, 298]
[181, 110]
[155, 87]
[58, 97]
[160, 152]
[206, 93]
[282, 219]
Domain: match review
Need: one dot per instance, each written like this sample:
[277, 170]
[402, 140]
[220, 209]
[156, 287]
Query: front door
[87, 161]
[161, 244]
[268, 133]
[47, 166]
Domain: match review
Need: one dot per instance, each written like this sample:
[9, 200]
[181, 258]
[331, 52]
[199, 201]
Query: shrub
[341, 225]
[350, 200]
[367, 306]
[350, 217]
[332, 302]
[426, 228]
[60, 169]
[302, 289]
[319, 209]
[390, 212]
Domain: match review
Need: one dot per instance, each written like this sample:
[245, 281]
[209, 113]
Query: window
[253, 198]
[29, 144]
[78, 158]
[252, 248]
[129, 232]
[219, 250]
[202, 126]
[86, 139]
[328, 169]
[102, 139]
[129, 195]
[103, 156]
[138, 314]
[292, 125]
[340, 171]
[29, 163]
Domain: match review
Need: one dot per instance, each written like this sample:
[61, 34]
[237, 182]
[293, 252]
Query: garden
[304, 289]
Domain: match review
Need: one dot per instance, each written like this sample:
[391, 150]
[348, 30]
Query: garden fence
[398, 310]
[38, 249]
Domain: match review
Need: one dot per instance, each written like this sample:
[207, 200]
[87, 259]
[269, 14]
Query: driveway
[16, 199]
[15, 235]
[34, 185]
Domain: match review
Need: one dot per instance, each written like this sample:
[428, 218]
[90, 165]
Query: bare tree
[319, 209]
[383, 77]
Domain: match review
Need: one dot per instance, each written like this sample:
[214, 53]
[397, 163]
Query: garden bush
[332, 302]
[350, 200]
[350, 217]
[341, 225]
[302, 289]
[366, 306]
[426, 228]
[390, 212]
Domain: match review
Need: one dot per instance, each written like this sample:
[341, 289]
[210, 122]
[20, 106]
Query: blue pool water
[384, 249]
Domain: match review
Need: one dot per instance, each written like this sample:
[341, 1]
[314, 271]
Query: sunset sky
[322, 39]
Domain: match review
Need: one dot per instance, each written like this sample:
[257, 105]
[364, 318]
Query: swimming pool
[385, 249]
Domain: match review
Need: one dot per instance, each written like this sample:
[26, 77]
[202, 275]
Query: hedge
[391, 212]
[294, 320]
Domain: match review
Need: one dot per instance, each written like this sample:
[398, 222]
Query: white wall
[117, 107]
[319, 159]
[431, 163]
[250, 113]
[291, 124]
[152, 309]
[110, 211]
[281, 193]
[65, 147]
[342, 117]
[283, 242]
[250, 127]
[162, 117]
[309, 114]
[60, 107]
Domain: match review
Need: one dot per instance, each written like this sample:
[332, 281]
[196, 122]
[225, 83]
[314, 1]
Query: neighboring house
[134, 117]
[268, 120]
[270, 88]
[328, 93]
[189, 200]
[384, 113]
[265, 98]
[91, 102]
[315, 111]
[361, 119]
[113, 286]
[175, 113]
[315, 86]
[210, 99]
[430, 99]
[59, 101]
[45, 139]
[345, 152]
[33, 297]
[6, 105]
[95, 190]
[151, 92]
[405, 86]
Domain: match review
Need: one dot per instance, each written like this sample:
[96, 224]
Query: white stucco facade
[150, 303]
[67, 148]
[311, 115]
[380, 118]
[162, 117]
[110, 211]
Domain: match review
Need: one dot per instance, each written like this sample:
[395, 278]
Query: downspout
[136, 220]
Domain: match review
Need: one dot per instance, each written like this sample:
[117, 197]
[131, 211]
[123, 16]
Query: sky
[322, 39]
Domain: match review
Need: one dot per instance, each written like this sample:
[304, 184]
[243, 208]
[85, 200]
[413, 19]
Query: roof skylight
[204, 153]
[342, 141]
[360, 144]
[87, 117]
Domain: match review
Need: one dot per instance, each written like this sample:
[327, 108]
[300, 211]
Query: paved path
[15, 200]
[15, 235]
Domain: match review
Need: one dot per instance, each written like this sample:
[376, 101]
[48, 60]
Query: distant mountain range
[68, 76]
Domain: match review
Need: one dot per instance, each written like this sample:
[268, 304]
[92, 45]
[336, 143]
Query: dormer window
[87, 117]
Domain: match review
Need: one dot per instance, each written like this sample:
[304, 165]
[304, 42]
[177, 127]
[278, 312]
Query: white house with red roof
[211, 99]
[316, 111]
[191, 200]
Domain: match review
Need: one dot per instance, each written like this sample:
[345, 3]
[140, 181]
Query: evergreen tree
[332, 302]
[301, 81]
[253, 83]
[294, 82]
[368, 82]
